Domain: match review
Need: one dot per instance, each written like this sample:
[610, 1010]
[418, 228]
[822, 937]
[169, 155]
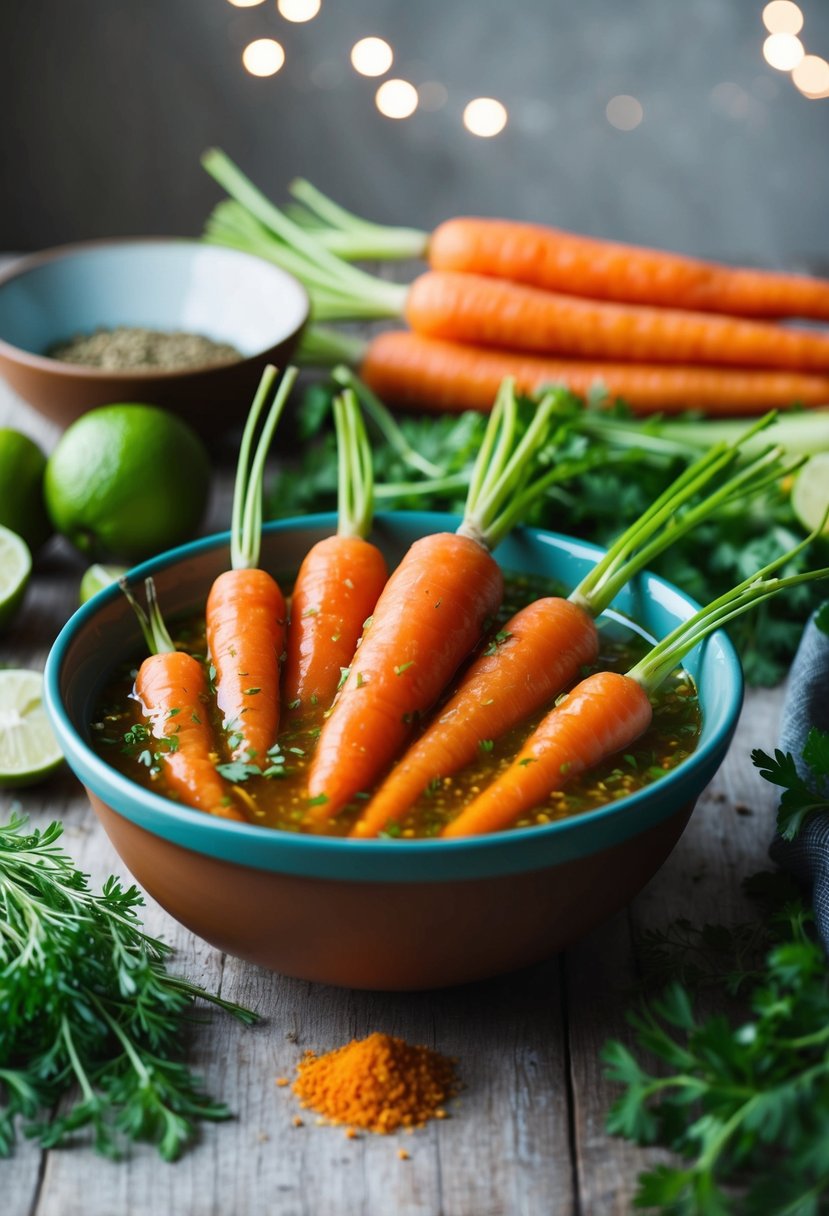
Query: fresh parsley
[799, 799]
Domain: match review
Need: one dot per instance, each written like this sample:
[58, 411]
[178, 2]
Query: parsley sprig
[743, 1100]
[91, 1018]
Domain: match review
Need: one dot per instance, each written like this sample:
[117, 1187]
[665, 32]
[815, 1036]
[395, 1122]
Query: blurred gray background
[107, 104]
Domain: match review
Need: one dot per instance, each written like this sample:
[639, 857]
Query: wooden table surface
[526, 1138]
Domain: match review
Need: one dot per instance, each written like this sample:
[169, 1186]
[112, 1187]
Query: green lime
[29, 751]
[810, 495]
[127, 481]
[97, 577]
[15, 567]
[21, 488]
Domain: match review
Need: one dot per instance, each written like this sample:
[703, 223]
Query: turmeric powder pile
[379, 1083]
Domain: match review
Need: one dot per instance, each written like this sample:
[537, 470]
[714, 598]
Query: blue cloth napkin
[806, 705]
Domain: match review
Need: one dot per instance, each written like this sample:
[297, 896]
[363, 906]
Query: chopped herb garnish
[294, 704]
[485, 745]
[319, 800]
[344, 674]
[527, 760]
[391, 831]
[250, 692]
[368, 622]
[171, 713]
[401, 667]
[136, 734]
[310, 612]
[499, 639]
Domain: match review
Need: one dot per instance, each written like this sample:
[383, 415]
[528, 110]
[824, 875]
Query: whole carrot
[607, 712]
[423, 373]
[557, 260]
[430, 614]
[492, 312]
[543, 647]
[246, 611]
[340, 578]
[172, 691]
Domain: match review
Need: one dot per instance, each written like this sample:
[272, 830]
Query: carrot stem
[666, 654]
[155, 632]
[246, 516]
[355, 489]
[351, 237]
[336, 288]
[383, 420]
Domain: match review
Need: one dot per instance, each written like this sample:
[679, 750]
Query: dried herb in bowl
[127, 347]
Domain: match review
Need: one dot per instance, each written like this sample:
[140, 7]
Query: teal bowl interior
[511, 867]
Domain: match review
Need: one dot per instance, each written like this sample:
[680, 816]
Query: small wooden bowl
[163, 284]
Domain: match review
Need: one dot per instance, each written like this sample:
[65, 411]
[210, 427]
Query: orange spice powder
[379, 1083]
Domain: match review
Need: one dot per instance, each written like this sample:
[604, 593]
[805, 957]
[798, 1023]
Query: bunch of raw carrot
[661, 331]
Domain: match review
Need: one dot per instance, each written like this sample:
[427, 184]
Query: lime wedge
[29, 751]
[15, 567]
[97, 577]
[810, 495]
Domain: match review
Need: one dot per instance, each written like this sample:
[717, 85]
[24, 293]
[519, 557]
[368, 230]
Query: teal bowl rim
[28, 262]
[271, 849]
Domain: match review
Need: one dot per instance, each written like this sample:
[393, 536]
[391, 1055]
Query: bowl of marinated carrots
[164, 321]
[405, 750]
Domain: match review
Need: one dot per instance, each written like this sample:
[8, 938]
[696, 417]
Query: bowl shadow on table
[381, 914]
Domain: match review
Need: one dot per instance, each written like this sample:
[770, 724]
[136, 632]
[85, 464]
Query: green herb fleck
[401, 667]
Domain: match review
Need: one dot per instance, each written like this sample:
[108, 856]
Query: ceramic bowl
[164, 284]
[386, 914]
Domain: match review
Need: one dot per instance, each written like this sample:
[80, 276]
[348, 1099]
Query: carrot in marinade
[172, 691]
[543, 647]
[607, 712]
[340, 578]
[246, 611]
[411, 371]
[556, 260]
[431, 613]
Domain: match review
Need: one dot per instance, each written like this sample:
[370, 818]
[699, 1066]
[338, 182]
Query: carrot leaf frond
[150, 619]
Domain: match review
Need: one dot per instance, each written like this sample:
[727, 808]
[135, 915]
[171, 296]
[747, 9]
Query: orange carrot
[432, 611]
[607, 712]
[543, 647]
[173, 694]
[555, 260]
[245, 608]
[492, 312]
[416, 372]
[603, 714]
[546, 257]
[340, 578]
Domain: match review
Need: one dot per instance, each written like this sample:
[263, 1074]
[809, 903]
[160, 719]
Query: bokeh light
[485, 117]
[782, 17]
[396, 99]
[812, 76]
[264, 57]
[783, 51]
[298, 10]
[624, 112]
[245, 3]
[371, 56]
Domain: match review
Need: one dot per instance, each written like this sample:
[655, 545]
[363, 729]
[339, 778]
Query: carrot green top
[151, 621]
[667, 518]
[355, 475]
[246, 518]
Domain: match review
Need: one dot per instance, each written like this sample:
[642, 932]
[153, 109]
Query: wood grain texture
[525, 1138]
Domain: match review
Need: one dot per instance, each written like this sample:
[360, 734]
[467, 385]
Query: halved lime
[29, 751]
[97, 577]
[15, 567]
[810, 495]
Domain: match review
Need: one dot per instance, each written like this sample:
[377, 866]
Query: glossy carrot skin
[544, 648]
[555, 260]
[173, 693]
[412, 371]
[338, 585]
[246, 638]
[493, 312]
[431, 613]
[603, 714]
